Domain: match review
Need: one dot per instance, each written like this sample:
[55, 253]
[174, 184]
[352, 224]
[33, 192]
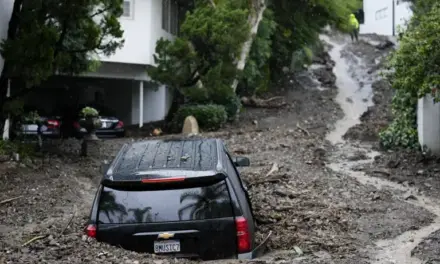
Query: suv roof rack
[188, 157]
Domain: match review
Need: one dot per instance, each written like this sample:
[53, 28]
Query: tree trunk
[255, 18]
[12, 33]
[5, 75]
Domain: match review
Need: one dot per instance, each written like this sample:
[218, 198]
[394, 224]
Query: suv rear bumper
[249, 255]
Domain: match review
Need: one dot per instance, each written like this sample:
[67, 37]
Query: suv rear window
[198, 203]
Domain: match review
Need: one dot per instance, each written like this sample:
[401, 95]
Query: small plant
[89, 112]
[31, 118]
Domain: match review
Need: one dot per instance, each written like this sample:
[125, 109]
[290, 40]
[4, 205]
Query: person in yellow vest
[354, 28]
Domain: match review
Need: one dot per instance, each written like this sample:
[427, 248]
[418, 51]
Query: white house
[122, 80]
[384, 17]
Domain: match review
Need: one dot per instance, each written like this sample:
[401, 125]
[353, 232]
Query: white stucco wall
[142, 30]
[379, 16]
[428, 123]
[137, 33]
[140, 33]
[5, 15]
[403, 14]
[156, 105]
[156, 27]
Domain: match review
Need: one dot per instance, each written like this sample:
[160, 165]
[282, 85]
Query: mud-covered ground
[416, 173]
[332, 216]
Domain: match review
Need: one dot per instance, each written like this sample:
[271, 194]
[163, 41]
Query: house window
[381, 14]
[173, 18]
[165, 15]
[128, 7]
[170, 15]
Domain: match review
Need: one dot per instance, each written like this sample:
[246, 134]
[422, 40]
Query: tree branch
[212, 3]
[254, 22]
[102, 11]
[97, 46]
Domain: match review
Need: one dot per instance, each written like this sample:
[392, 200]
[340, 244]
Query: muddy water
[355, 100]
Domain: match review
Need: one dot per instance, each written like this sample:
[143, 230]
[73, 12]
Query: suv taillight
[120, 124]
[243, 236]
[91, 231]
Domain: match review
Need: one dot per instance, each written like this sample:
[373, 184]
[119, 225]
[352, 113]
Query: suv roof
[191, 156]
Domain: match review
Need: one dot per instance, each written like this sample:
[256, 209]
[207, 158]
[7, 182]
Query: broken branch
[70, 221]
[33, 240]
[10, 199]
[256, 102]
[274, 180]
[273, 169]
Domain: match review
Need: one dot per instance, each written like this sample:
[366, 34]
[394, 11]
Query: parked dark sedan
[182, 198]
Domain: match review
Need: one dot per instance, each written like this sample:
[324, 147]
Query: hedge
[209, 117]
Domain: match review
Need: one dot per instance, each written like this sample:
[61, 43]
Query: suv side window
[233, 171]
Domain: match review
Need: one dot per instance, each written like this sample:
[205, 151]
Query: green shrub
[221, 95]
[414, 74]
[25, 150]
[232, 107]
[89, 112]
[209, 117]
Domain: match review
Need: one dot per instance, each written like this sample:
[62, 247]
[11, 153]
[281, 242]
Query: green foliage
[209, 41]
[402, 132]
[209, 117]
[205, 51]
[14, 107]
[215, 91]
[201, 61]
[299, 24]
[89, 112]
[256, 74]
[25, 150]
[232, 105]
[49, 36]
[415, 74]
[420, 8]
[31, 118]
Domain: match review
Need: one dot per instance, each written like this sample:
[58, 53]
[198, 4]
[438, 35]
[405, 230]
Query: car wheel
[120, 135]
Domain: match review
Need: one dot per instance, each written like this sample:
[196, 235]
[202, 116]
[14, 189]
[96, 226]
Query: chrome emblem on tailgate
[165, 235]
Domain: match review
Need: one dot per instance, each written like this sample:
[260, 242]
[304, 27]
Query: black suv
[179, 197]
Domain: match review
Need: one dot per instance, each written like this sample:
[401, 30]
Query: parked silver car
[46, 126]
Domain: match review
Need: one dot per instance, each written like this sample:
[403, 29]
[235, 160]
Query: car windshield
[199, 203]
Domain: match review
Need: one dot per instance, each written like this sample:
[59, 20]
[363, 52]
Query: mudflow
[333, 197]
